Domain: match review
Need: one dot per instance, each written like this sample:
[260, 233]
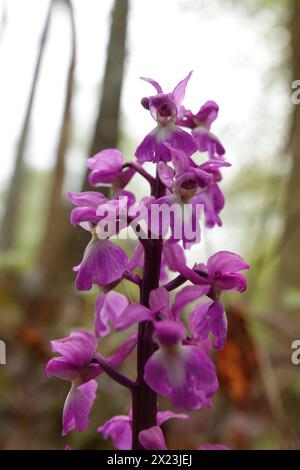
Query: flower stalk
[144, 399]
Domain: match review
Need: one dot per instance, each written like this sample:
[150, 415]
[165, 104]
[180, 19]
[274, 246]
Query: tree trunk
[55, 225]
[289, 268]
[107, 122]
[9, 222]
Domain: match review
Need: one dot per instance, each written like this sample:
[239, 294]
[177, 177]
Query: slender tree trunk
[55, 224]
[107, 122]
[8, 229]
[289, 268]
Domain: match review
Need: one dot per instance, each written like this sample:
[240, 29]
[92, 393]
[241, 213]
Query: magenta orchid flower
[165, 108]
[119, 428]
[76, 364]
[103, 261]
[200, 124]
[106, 169]
[222, 272]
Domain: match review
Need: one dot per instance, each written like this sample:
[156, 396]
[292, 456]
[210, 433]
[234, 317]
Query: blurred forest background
[69, 87]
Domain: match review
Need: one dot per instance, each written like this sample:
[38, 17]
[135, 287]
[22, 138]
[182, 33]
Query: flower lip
[168, 332]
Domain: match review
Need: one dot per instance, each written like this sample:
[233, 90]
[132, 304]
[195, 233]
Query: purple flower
[106, 169]
[119, 428]
[109, 307]
[103, 262]
[171, 370]
[208, 317]
[87, 202]
[74, 364]
[137, 261]
[222, 272]
[165, 108]
[184, 373]
[153, 439]
[200, 124]
[191, 186]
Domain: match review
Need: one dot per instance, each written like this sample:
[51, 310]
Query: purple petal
[124, 350]
[87, 199]
[163, 416]
[106, 167]
[208, 113]
[159, 300]
[137, 258]
[146, 150]
[218, 324]
[80, 215]
[180, 160]
[168, 332]
[153, 439]
[61, 368]
[225, 262]
[187, 376]
[156, 85]
[176, 262]
[230, 282]
[153, 148]
[103, 263]
[182, 140]
[118, 429]
[209, 317]
[78, 348]
[186, 295]
[213, 200]
[109, 307]
[179, 90]
[166, 174]
[133, 314]
[77, 407]
[208, 142]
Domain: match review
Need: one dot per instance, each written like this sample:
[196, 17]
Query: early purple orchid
[200, 124]
[78, 365]
[176, 333]
[107, 169]
[75, 365]
[165, 108]
[92, 208]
